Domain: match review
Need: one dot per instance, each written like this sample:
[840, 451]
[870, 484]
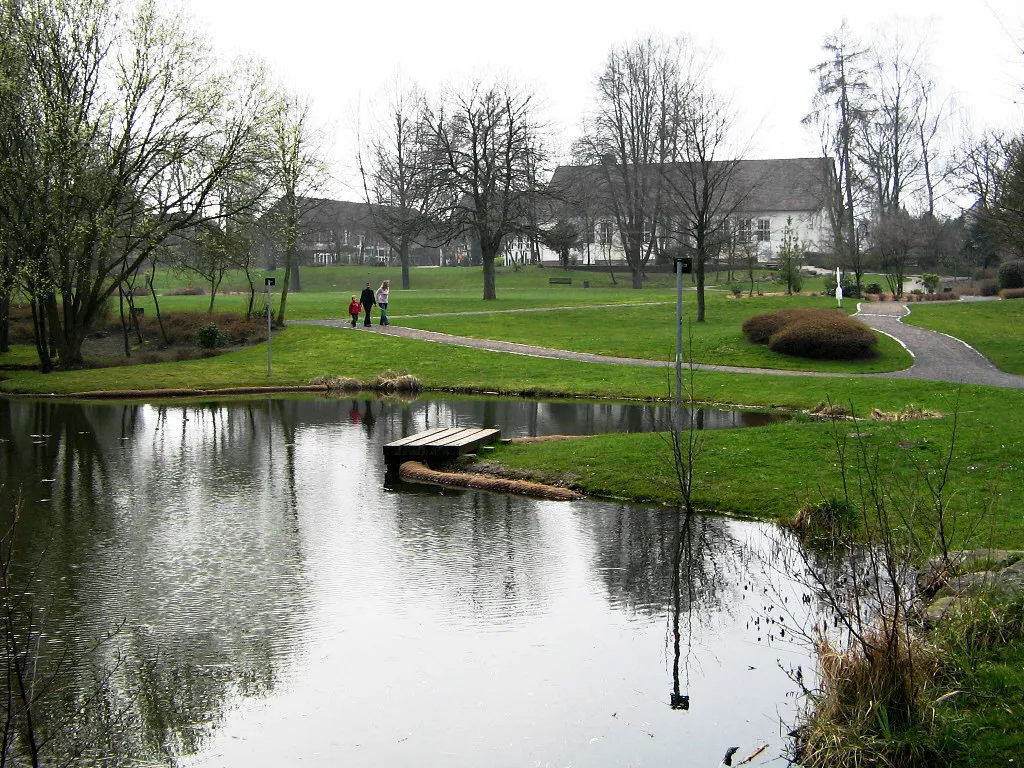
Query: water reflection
[279, 603]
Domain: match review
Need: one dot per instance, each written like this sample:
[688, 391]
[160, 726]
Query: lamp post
[269, 281]
[683, 266]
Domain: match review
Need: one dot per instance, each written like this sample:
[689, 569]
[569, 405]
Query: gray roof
[786, 185]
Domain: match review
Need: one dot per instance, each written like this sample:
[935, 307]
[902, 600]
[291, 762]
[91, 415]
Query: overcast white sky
[344, 54]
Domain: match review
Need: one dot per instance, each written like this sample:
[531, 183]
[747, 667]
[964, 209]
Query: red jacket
[353, 308]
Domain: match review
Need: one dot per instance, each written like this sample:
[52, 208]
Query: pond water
[266, 600]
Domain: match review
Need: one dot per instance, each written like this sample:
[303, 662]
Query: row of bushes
[821, 334]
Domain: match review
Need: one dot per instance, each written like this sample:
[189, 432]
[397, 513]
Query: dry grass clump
[402, 382]
[909, 412]
[1012, 293]
[828, 517]
[872, 707]
[827, 410]
[338, 383]
[820, 334]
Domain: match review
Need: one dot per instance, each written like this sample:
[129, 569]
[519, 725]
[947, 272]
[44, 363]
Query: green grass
[769, 472]
[648, 332]
[989, 714]
[994, 328]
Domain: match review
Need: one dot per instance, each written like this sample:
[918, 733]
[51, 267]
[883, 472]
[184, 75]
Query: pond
[259, 597]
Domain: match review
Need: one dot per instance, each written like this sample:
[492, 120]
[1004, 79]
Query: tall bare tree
[702, 180]
[890, 146]
[399, 172]
[837, 112]
[488, 148]
[629, 138]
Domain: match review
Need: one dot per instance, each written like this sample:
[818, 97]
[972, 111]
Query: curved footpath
[937, 356]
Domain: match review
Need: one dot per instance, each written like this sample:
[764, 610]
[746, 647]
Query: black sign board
[269, 281]
[687, 265]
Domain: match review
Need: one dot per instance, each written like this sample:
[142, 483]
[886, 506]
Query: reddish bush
[815, 333]
[759, 328]
[1012, 293]
[189, 291]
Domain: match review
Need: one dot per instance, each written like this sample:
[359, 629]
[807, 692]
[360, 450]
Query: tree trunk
[403, 256]
[5, 323]
[699, 275]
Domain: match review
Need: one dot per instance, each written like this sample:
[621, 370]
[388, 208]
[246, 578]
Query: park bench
[560, 281]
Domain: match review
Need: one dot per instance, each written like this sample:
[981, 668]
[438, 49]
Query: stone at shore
[952, 584]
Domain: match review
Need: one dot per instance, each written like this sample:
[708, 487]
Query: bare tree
[702, 181]
[891, 144]
[896, 237]
[399, 175]
[631, 134]
[837, 112]
[487, 149]
[297, 172]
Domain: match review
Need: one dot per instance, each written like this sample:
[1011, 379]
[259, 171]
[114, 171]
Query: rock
[968, 584]
[937, 610]
[937, 572]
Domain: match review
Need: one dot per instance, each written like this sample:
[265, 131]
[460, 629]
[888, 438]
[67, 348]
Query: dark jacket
[367, 299]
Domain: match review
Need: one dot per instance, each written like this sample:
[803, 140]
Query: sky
[344, 56]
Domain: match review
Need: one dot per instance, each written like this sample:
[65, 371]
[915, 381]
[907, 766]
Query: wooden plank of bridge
[439, 443]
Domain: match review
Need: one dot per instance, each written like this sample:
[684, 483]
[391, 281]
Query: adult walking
[367, 300]
[382, 301]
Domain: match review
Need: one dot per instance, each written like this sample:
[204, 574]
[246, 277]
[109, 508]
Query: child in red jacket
[353, 310]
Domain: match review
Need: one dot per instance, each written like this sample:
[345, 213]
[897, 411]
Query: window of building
[743, 231]
[604, 233]
[764, 230]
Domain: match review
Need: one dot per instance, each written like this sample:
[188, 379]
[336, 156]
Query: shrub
[874, 288]
[210, 337]
[1011, 274]
[988, 287]
[759, 328]
[815, 333]
[737, 290]
[825, 338]
[190, 291]
[1012, 293]
[930, 281]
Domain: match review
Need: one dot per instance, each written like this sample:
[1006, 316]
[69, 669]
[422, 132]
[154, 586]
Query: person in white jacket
[382, 301]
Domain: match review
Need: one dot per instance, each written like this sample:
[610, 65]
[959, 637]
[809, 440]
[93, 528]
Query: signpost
[269, 282]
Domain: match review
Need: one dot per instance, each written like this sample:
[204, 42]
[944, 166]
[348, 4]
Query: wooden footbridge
[442, 444]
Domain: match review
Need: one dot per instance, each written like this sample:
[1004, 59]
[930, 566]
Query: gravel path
[937, 357]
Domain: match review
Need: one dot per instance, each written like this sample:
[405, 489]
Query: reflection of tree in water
[636, 550]
[668, 563]
[483, 554]
[179, 521]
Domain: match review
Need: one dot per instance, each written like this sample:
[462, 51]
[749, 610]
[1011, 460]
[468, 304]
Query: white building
[757, 198]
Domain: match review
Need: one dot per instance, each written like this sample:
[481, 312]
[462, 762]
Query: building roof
[783, 185]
